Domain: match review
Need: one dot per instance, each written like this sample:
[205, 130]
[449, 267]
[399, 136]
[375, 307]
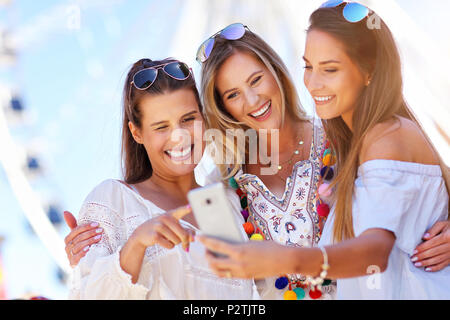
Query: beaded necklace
[297, 284]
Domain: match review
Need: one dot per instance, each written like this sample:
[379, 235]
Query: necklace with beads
[297, 151]
[280, 166]
[289, 162]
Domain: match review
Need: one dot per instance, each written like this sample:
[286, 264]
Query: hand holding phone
[213, 212]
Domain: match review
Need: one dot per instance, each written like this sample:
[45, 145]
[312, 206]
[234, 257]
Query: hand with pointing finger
[165, 230]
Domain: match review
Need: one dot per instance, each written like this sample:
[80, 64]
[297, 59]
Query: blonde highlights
[218, 117]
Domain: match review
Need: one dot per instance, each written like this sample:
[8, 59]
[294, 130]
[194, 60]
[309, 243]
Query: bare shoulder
[397, 139]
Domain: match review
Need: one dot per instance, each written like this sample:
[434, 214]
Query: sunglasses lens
[331, 3]
[208, 47]
[233, 31]
[355, 12]
[178, 70]
[205, 50]
[144, 78]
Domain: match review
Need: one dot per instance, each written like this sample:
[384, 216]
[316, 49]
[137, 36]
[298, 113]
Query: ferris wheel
[19, 164]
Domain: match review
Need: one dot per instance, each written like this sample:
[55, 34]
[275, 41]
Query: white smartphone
[214, 215]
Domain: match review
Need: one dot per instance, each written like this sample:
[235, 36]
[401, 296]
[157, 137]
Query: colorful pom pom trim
[324, 190]
[323, 209]
[248, 226]
[297, 289]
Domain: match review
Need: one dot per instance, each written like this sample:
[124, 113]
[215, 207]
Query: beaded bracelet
[318, 281]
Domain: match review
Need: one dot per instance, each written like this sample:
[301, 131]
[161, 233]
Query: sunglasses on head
[234, 31]
[353, 11]
[143, 79]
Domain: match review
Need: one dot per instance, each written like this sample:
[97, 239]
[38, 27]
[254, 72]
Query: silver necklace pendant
[296, 152]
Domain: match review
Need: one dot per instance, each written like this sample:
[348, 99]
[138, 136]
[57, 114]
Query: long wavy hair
[218, 117]
[374, 51]
[136, 166]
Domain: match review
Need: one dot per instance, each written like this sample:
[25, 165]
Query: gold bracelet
[318, 281]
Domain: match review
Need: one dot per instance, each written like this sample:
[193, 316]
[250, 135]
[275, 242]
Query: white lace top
[291, 220]
[165, 274]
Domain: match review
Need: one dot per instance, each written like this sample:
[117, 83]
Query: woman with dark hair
[142, 220]
[390, 184]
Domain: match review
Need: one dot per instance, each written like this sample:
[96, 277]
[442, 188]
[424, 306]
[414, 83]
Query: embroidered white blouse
[291, 220]
[407, 199]
[165, 274]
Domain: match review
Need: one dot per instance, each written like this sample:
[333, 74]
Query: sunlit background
[62, 67]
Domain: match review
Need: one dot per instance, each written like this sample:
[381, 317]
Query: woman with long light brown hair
[390, 185]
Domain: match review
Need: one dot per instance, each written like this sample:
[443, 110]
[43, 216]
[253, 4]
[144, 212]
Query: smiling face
[167, 131]
[334, 81]
[249, 91]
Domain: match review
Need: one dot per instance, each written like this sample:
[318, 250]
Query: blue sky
[70, 82]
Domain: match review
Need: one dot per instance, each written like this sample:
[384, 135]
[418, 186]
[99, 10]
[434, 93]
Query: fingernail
[86, 248]
[427, 269]
[414, 259]
[188, 206]
[97, 237]
[99, 230]
[418, 264]
[186, 249]
[94, 224]
[415, 251]
[426, 235]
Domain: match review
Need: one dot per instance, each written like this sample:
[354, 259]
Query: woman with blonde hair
[390, 184]
[247, 89]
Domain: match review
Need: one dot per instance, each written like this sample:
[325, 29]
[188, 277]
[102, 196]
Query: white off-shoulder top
[405, 198]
